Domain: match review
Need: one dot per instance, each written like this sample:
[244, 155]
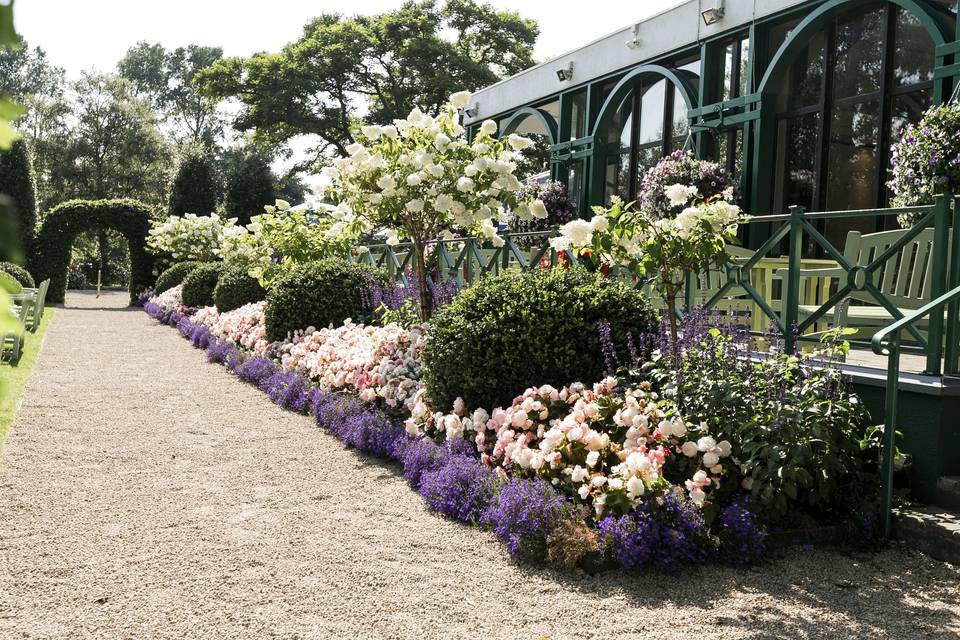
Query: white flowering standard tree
[192, 237]
[667, 249]
[421, 176]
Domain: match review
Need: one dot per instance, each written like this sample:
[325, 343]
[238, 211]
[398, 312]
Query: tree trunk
[104, 244]
[426, 296]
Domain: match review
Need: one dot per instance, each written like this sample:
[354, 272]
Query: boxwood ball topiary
[236, 288]
[19, 274]
[175, 274]
[199, 284]
[321, 293]
[515, 331]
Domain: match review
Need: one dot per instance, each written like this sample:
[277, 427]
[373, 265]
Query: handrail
[892, 351]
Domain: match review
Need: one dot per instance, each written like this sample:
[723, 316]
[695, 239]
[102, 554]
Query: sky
[86, 34]
[81, 35]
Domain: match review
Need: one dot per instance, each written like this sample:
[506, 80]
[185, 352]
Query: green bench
[903, 279]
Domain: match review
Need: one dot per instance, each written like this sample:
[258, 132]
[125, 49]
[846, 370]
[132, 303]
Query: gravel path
[145, 493]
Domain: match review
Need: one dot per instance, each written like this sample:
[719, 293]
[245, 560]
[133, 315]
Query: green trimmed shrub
[174, 275]
[9, 284]
[319, 294]
[518, 330]
[236, 288]
[19, 274]
[16, 180]
[194, 188]
[199, 284]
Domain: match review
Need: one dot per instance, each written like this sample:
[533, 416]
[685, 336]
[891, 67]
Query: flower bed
[571, 474]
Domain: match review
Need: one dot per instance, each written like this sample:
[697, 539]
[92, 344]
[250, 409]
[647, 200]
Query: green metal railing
[892, 335]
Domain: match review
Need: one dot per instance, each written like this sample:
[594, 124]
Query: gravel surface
[145, 493]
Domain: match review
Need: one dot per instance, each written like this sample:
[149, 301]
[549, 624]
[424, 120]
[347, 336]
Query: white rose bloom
[592, 458]
[470, 170]
[489, 127]
[724, 447]
[466, 185]
[389, 131]
[689, 449]
[480, 147]
[599, 223]
[584, 491]
[413, 180]
[519, 143]
[372, 132]
[635, 488]
[710, 459]
[282, 205]
[386, 182]
[560, 244]
[578, 231]
[538, 209]
[579, 474]
[392, 239]
[706, 443]
[441, 141]
[354, 149]
[443, 203]
[375, 198]
[460, 99]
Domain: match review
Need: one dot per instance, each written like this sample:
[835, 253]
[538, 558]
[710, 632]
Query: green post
[889, 432]
[791, 298]
[468, 261]
[951, 359]
[938, 282]
[689, 291]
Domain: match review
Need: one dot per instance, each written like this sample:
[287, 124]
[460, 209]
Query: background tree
[25, 72]
[16, 181]
[194, 188]
[166, 80]
[380, 66]
[250, 184]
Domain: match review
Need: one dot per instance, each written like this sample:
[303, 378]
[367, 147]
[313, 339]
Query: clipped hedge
[50, 257]
[200, 283]
[518, 330]
[19, 274]
[321, 293]
[17, 182]
[236, 288]
[175, 274]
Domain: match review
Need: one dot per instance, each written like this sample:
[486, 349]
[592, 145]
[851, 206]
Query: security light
[713, 14]
[634, 43]
[565, 74]
[472, 110]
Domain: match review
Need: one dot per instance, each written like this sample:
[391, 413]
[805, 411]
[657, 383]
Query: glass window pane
[575, 181]
[802, 86]
[913, 51]
[852, 167]
[728, 53]
[744, 85]
[651, 113]
[798, 140]
[578, 115]
[618, 176]
[619, 131]
[693, 66]
[858, 52]
[680, 123]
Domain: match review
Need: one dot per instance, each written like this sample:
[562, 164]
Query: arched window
[840, 106]
[650, 122]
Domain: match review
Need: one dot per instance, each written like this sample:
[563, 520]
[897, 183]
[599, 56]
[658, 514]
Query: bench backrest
[904, 278]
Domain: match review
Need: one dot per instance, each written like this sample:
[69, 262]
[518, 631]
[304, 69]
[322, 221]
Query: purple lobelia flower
[218, 351]
[287, 389]
[461, 488]
[742, 536]
[256, 370]
[418, 456]
[661, 535]
[522, 515]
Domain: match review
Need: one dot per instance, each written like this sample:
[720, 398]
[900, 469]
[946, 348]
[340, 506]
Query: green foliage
[20, 274]
[517, 330]
[175, 275]
[166, 79]
[51, 255]
[250, 187]
[200, 283]
[236, 288]
[16, 180]
[321, 293]
[801, 432]
[414, 56]
[194, 188]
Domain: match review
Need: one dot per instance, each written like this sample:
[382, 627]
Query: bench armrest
[831, 272]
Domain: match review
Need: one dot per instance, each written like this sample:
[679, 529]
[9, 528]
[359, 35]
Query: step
[948, 492]
[933, 530]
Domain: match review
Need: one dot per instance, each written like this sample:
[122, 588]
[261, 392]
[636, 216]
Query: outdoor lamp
[472, 111]
[712, 15]
[634, 43]
[565, 74]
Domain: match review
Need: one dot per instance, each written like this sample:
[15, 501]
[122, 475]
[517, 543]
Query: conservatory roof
[669, 30]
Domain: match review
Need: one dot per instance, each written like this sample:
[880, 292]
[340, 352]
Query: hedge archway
[50, 257]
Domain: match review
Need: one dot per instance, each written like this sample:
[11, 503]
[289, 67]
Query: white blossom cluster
[192, 237]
